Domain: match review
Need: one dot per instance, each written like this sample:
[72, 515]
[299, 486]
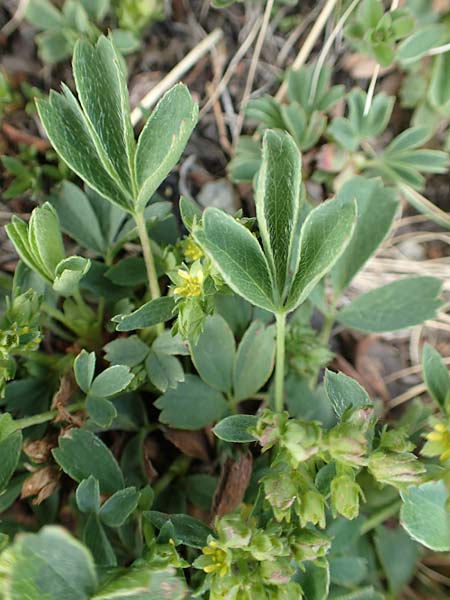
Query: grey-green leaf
[116, 510]
[10, 448]
[77, 217]
[254, 360]
[50, 564]
[213, 354]
[102, 90]
[376, 208]
[345, 392]
[424, 515]
[88, 495]
[436, 375]
[153, 312]
[84, 368]
[81, 453]
[69, 134]
[394, 306]
[278, 202]
[235, 428]
[111, 381]
[163, 140]
[238, 257]
[192, 405]
[324, 236]
[187, 530]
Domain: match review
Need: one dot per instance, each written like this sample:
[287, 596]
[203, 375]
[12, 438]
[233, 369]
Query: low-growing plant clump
[170, 426]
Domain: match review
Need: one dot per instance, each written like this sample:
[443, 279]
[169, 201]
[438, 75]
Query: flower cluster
[245, 562]
[314, 468]
[19, 331]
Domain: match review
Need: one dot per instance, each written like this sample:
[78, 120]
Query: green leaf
[88, 495]
[116, 510]
[96, 9]
[254, 361]
[421, 41]
[278, 203]
[324, 236]
[129, 271]
[68, 274]
[436, 375]
[84, 369]
[238, 257]
[101, 411]
[78, 218]
[153, 312]
[213, 354]
[424, 515]
[50, 564]
[17, 232]
[71, 137]
[102, 91]
[439, 92]
[189, 211]
[235, 428]
[95, 538]
[10, 448]
[163, 370]
[163, 140]
[45, 237]
[129, 351]
[394, 306]
[188, 531]
[143, 582]
[81, 453]
[53, 46]
[192, 405]
[344, 392]
[315, 580]
[347, 571]
[111, 381]
[376, 208]
[398, 555]
[43, 15]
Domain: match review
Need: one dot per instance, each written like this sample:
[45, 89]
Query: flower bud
[277, 572]
[347, 445]
[312, 509]
[301, 439]
[345, 493]
[269, 428]
[397, 469]
[309, 545]
[281, 492]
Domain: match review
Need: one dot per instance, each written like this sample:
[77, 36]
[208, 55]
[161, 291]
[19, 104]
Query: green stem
[179, 467]
[58, 315]
[46, 416]
[84, 308]
[380, 517]
[279, 366]
[148, 255]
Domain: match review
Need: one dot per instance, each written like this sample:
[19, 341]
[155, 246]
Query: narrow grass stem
[148, 255]
[279, 366]
[381, 516]
[46, 416]
[179, 467]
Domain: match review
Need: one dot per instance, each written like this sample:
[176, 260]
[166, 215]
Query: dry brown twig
[252, 70]
[176, 74]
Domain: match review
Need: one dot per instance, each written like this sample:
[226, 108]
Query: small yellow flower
[218, 559]
[191, 250]
[191, 283]
[440, 436]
